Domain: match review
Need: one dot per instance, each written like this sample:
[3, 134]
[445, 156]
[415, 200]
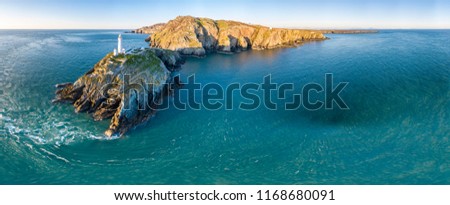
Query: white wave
[54, 155]
[51, 132]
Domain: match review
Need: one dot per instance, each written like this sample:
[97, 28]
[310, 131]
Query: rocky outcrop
[197, 36]
[126, 88]
[347, 31]
[149, 30]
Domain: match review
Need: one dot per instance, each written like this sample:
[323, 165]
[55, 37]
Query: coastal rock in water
[126, 88]
[197, 36]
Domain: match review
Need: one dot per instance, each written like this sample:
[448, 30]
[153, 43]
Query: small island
[128, 86]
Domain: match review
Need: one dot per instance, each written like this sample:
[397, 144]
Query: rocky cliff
[197, 36]
[126, 88]
[149, 29]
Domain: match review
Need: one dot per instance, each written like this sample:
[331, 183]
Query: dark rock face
[126, 88]
[197, 36]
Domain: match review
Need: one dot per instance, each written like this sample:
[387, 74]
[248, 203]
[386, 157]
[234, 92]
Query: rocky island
[127, 87]
[198, 36]
[149, 29]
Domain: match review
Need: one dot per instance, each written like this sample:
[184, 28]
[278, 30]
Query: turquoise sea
[396, 131]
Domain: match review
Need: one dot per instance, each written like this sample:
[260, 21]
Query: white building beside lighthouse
[120, 49]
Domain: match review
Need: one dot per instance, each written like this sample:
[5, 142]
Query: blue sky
[127, 14]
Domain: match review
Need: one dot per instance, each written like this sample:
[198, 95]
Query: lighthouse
[119, 50]
[119, 43]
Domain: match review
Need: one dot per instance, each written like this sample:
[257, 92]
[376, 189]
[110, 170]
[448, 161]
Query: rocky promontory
[340, 31]
[198, 36]
[127, 87]
[149, 29]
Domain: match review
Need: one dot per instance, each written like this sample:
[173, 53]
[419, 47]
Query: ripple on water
[396, 131]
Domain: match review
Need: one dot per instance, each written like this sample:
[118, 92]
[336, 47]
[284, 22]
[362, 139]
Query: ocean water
[396, 130]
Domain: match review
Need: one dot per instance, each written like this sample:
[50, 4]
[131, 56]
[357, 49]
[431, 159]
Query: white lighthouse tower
[119, 43]
[119, 50]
